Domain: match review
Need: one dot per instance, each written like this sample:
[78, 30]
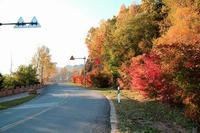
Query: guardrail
[12, 91]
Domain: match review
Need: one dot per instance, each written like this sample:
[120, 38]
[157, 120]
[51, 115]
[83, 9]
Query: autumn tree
[119, 39]
[181, 42]
[133, 37]
[98, 54]
[43, 63]
[135, 34]
[179, 53]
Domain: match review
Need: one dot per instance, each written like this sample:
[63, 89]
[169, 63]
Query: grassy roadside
[12, 103]
[137, 114]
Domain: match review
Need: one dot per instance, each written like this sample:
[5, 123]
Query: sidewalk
[17, 96]
[13, 97]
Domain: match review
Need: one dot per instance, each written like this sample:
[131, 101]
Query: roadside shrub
[101, 79]
[10, 81]
[26, 75]
[146, 76]
[125, 78]
[88, 80]
[78, 79]
[181, 66]
[188, 78]
[1, 81]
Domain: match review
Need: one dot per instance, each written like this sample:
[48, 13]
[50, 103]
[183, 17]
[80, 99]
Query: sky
[64, 26]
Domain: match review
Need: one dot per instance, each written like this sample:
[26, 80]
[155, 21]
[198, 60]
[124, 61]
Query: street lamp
[72, 58]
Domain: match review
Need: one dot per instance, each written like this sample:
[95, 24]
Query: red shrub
[147, 77]
[88, 80]
[78, 79]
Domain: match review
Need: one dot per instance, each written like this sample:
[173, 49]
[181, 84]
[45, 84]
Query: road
[59, 109]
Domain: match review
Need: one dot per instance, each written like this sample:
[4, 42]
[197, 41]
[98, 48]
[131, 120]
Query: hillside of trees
[153, 48]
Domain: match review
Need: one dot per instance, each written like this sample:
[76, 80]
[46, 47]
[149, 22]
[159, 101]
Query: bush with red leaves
[147, 77]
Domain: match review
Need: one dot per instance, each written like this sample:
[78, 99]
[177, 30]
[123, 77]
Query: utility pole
[11, 63]
[85, 72]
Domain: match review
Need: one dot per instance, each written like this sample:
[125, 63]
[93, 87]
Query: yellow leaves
[42, 61]
[183, 16]
[133, 10]
[177, 35]
[179, 3]
[185, 29]
[126, 14]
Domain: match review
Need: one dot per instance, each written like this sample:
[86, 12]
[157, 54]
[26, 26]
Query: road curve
[59, 109]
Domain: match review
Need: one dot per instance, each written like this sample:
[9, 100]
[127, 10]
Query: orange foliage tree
[179, 52]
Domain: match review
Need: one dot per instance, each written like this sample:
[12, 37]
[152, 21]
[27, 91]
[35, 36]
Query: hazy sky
[65, 24]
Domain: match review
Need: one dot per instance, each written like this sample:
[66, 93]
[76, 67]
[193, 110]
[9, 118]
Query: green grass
[140, 115]
[9, 104]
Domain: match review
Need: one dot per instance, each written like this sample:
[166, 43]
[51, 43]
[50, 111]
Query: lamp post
[72, 58]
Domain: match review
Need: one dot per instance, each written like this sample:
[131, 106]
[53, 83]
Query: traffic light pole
[19, 24]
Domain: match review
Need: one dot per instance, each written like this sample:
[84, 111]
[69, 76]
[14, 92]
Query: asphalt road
[59, 109]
